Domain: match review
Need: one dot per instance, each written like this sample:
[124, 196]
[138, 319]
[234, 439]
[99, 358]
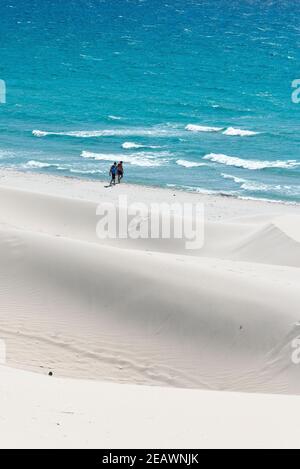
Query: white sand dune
[274, 241]
[48, 412]
[149, 311]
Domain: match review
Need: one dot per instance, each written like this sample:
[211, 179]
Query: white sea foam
[78, 133]
[189, 164]
[40, 133]
[234, 178]
[39, 164]
[255, 186]
[239, 132]
[86, 171]
[290, 190]
[156, 131]
[8, 154]
[282, 190]
[250, 164]
[137, 159]
[202, 128]
[271, 201]
[200, 190]
[231, 131]
[131, 145]
[34, 164]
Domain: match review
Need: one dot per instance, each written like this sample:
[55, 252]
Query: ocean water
[193, 94]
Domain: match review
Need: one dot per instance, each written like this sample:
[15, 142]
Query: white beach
[46, 412]
[218, 323]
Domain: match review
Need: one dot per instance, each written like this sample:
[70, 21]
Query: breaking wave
[239, 132]
[231, 131]
[137, 159]
[132, 146]
[250, 164]
[189, 164]
[33, 164]
[202, 128]
[233, 178]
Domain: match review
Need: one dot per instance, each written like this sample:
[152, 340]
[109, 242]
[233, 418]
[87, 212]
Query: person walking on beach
[120, 171]
[112, 173]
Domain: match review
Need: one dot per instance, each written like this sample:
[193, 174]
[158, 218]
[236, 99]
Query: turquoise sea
[194, 94]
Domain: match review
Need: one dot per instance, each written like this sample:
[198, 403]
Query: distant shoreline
[202, 193]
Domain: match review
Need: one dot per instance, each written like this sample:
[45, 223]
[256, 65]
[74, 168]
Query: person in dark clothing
[112, 173]
[120, 171]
